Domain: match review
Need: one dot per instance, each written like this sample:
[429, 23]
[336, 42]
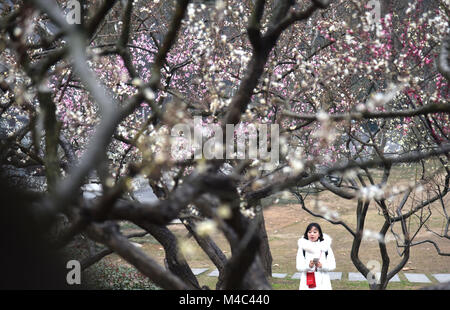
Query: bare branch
[254, 27]
[109, 234]
[425, 110]
[302, 180]
[434, 244]
[91, 260]
[302, 202]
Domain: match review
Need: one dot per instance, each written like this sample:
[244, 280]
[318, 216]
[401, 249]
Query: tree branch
[254, 27]
[425, 110]
[109, 235]
[302, 180]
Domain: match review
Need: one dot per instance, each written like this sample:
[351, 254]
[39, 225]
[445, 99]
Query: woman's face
[313, 234]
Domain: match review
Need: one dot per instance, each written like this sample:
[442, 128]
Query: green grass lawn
[343, 284]
[289, 284]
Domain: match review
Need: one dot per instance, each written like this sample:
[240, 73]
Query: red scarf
[310, 279]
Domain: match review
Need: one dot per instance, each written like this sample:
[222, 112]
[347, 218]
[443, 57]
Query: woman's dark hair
[311, 225]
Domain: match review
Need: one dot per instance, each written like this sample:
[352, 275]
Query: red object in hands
[310, 279]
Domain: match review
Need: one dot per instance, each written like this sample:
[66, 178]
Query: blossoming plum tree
[99, 99]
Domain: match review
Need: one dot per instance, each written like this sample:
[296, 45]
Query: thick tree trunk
[175, 261]
[244, 270]
[212, 250]
[264, 248]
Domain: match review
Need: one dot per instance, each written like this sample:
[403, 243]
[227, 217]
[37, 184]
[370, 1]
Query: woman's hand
[311, 264]
[319, 264]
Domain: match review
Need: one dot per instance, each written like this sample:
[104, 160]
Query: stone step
[352, 276]
[442, 277]
[356, 276]
[417, 278]
[198, 271]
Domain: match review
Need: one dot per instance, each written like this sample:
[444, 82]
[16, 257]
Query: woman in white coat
[315, 259]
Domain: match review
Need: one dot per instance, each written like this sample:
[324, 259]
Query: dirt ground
[285, 230]
[286, 223]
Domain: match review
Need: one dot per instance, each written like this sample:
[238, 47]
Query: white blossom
[296, 165]
[322, 116]
[224, 211]
[149, 94]
[186, 248]
[370, 235]
[206, 228]
[371, 192]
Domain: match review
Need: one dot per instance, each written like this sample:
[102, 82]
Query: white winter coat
[312, 250]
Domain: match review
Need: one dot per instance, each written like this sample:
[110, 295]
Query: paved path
[350, 276]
